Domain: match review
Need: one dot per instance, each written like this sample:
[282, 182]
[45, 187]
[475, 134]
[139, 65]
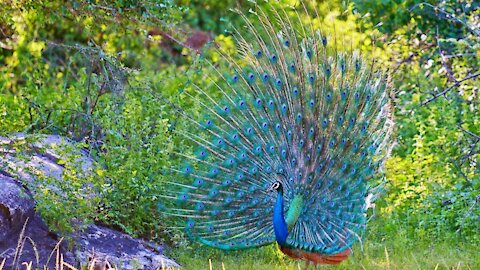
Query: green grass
[393, 253]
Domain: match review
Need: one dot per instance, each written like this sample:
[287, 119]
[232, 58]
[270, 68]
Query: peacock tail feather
[292, 108]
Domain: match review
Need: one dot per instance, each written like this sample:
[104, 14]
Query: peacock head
[277, 185]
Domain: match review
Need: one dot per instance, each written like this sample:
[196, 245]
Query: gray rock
[16, 206]
[24, 237]
[109, 246]
[20, 169]
[28, 156]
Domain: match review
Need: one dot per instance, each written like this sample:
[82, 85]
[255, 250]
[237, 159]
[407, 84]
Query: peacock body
[285, 146]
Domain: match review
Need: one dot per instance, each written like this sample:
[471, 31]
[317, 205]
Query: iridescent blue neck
[279, 225]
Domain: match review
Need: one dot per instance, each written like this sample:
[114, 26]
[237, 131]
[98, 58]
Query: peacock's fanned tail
[293, 109]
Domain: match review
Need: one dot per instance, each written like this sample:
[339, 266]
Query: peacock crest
[294, 112]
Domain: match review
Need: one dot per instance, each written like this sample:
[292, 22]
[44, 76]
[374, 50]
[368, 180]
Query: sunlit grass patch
[375, 255]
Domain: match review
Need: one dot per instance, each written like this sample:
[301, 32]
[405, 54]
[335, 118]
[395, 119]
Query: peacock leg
[307, 263]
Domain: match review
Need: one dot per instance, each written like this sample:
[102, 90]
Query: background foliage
[102, 73]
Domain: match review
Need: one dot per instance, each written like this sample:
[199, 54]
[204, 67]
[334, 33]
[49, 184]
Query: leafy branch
[457, 83]
[448, 15]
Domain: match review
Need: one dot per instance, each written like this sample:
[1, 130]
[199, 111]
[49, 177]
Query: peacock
[284, 142]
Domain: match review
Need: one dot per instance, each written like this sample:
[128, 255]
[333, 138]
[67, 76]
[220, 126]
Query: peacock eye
[274, 186]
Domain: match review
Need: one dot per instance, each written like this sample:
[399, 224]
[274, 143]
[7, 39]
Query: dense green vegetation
[101, 73]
